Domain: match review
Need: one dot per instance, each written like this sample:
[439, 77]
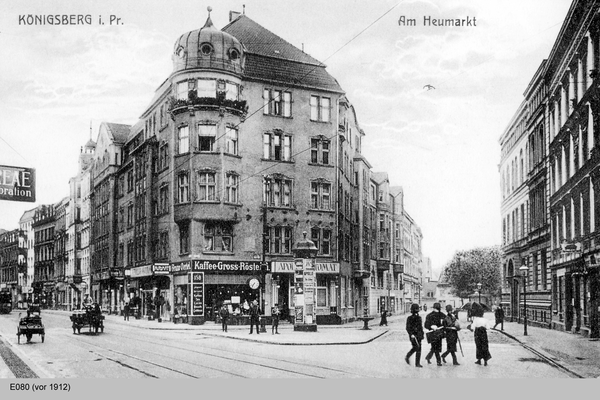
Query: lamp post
[524, 270]
[479, 291]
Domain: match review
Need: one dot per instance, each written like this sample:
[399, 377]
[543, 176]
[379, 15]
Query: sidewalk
[346, 334]
[570, 352]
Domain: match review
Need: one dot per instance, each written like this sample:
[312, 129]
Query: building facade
[560, 120]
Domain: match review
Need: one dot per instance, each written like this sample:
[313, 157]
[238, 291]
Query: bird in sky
[428, 87]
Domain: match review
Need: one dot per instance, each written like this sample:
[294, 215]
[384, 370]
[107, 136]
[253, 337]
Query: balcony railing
[177, 106]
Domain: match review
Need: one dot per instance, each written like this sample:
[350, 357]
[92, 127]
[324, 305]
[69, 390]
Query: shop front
[149, 290]
[327, 290]
[235, 283]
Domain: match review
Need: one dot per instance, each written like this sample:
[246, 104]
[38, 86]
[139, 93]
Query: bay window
[206, 137]
[218, 236]
[206, 186]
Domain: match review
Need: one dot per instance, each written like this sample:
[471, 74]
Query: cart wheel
[43, 336]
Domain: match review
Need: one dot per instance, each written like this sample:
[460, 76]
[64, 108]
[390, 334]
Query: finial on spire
[208, 23]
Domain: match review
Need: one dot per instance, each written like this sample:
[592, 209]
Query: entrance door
[514, 301]
[570, 301]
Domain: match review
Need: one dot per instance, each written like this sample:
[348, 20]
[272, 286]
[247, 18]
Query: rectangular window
[206, 137]
[207, 88]
[206, 186]
[319, 151]
[183, 188]
[322, 239]
[320, 195]
[277, 192]
[183, 140]
[163, 200]
[232, 188]
[277, 146]
[163, 157]
[320, 108]
[280, 239]
[231, 91]
[218, 236]
[276, 102]
[182, 91]
[184, 238]
[231, 141]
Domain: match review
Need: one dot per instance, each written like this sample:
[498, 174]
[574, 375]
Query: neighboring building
[550, 216]
[444, 293]
[429, 293]
[44, 279]
[9, 261]
[27, 256]
[572, 116]
[60, 253]
[515, 206]
[78, 229]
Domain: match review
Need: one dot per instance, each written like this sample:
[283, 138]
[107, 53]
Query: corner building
[248, 144]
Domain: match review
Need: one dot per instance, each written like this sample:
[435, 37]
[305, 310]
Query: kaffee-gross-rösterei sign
[17, 183]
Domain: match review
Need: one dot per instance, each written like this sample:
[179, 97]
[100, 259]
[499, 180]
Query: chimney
[233, 15]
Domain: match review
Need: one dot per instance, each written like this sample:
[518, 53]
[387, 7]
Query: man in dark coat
[499, 314]
[414, 327]
[435, 321]
[451, 328]
[254, 317]
[224, 314]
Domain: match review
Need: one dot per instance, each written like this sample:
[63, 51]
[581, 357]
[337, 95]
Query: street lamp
[524, 270]
[479, 291]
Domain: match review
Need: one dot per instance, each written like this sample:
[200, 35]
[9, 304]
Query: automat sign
[17, 184]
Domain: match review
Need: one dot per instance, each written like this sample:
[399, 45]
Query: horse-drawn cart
[31, 325]
[90, 317]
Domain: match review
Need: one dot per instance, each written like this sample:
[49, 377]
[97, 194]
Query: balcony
[193, 103]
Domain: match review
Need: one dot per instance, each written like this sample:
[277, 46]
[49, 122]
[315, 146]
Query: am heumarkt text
[429, 21]
[67, 19]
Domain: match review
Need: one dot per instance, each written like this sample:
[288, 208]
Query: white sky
[441, 145]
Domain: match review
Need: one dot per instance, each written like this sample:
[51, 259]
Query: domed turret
[208, 48]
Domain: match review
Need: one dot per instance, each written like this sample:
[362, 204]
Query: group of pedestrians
[254, 312]
[440, 326]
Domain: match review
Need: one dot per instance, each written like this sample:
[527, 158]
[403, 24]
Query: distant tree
[470, 267]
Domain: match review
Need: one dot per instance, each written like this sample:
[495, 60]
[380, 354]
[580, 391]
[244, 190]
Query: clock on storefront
[254, 283]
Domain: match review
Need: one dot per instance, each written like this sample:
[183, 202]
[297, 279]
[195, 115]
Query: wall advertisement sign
[196, 281]
[17, 184]
[215, 266]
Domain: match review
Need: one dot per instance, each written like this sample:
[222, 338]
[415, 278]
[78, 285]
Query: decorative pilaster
[572, 236]
[590, 129]
[556, 118]
[592, 208]
[580, 147]
[590, 59]
[571, 156]
[570, 105]
[579, 79]
[563, 160]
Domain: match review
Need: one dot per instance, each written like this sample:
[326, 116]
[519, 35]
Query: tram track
[253, 360]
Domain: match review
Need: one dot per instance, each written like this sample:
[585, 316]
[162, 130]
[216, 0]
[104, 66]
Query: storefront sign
[327, 268]
[288, 267]
[196, 280]
[161, 269]
[100, 276]
[144, 270]
[181, 267]
[117, 273]
[17, 184]
[282, 267]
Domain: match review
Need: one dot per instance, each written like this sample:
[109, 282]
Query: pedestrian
[499, 314]
[434, 322]
[451, 327]
[414, 327]
[383, 318]
[254, 316]
[224, 314]
[275, 318]
[126, 308]
[479, 328]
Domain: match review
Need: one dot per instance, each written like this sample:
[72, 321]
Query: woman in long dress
[480, 326]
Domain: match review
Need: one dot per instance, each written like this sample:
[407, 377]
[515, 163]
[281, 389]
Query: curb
[545, 358]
